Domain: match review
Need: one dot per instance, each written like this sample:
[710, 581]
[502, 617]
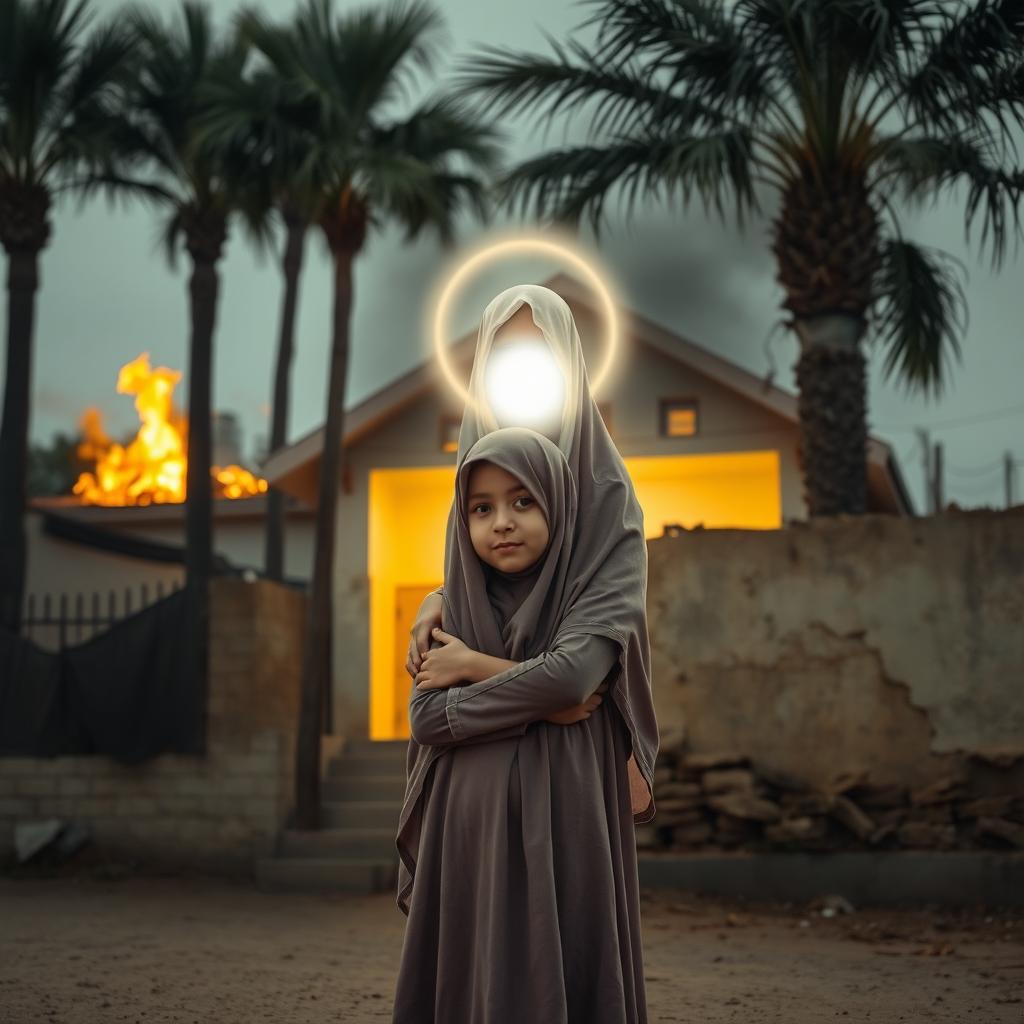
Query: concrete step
[346, 843]
[362, 746]
[360, 813]
[378, 764]
[328, 873]
[363, 787]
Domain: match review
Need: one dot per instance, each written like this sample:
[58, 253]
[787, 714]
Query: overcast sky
[107, 295]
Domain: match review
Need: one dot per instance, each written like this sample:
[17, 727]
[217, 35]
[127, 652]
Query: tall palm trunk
[316, 661]
[832, 405]
[24, 231]
[291, 266]
[826, 244]
[205, 235]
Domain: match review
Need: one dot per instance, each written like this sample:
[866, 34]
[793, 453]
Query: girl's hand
[578, 712]
[444, 666]
[427, 618]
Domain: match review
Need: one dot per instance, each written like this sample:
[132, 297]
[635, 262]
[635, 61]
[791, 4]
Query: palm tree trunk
[205, 240]
[291, 266]
[832, 408]
[316, 661]
[22, 284]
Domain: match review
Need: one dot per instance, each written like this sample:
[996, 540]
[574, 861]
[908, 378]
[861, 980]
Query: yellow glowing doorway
[408, 515]
[406, 522]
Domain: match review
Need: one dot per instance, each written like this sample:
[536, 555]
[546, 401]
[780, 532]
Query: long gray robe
[508, 923]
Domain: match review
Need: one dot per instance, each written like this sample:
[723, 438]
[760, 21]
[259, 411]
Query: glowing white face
[524, 384]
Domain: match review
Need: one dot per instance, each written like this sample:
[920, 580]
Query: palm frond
[363, 59]
[924, 166]
[503, 81]
[952, 81]
[921, 312]
[576, 182]
[440, 130]
[58, 87]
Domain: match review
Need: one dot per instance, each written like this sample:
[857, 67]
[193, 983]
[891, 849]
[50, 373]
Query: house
[706, 443]
[89, 565]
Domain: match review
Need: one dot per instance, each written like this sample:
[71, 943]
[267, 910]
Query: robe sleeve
[557, 679]
[432, 722]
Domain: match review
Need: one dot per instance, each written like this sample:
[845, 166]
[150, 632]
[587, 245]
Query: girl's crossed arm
[503, 694]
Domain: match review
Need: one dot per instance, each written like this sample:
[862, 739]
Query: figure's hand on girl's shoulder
[428, 617]
[578, 712]
[444, 666]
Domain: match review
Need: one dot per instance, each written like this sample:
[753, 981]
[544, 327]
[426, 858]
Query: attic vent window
[678, 417]
[449, 431]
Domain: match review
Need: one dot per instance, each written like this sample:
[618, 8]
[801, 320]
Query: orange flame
[151, 469]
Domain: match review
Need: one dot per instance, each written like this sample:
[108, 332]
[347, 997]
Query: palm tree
[364, 165]
[699, 98]
[61, 94]
[199, 181]
[274, 128]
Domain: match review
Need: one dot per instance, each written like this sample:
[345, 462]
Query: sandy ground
[156, 950]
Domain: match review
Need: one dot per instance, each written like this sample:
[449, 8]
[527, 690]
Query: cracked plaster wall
[871, 643]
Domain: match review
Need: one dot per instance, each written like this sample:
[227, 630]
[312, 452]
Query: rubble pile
[726, 801]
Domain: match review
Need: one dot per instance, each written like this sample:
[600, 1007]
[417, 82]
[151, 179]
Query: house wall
[241, 542]
[410, 438]
[218, 810]
[878, 645]
[60, 567]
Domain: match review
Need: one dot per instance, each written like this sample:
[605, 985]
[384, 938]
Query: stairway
[354, 850]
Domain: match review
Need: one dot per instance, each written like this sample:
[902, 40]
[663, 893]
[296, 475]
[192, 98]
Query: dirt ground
[156, 950]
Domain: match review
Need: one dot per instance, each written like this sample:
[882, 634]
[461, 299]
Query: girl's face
[506, 525]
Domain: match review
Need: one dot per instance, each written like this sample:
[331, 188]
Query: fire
[151, 469]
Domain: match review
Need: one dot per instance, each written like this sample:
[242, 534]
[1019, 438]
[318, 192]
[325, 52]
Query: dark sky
[107, 295]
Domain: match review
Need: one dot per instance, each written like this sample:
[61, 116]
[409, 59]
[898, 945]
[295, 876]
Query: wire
[1010, 410]
[974, 471]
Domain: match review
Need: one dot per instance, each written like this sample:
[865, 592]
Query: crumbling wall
[859, 669]
[218, 810]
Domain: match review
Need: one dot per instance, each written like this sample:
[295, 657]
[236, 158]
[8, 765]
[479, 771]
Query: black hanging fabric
[127, 693]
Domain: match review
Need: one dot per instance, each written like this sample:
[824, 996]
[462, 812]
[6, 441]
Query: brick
[36, 786]
[58, 807]
[17, 807]
[189, 786]
[180, 806]
[238, 786]
[74, 786]
[96, 806]
[259, 807]
[268, 742]
[133, 806]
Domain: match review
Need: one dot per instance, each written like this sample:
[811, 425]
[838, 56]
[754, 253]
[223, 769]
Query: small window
[678, 417]
[449, 430]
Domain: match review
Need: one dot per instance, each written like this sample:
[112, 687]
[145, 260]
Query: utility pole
[1008, 480]
[926, 465]
[938, 498]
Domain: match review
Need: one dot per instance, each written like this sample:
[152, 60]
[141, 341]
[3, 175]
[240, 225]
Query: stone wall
[216, 811]
[850, 681]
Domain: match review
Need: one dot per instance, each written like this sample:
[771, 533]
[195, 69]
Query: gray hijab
[593, 577]
[512, 615]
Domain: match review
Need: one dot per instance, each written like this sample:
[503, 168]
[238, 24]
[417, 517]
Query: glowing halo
[490, 252]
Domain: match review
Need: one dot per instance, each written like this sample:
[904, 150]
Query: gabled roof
[296, 463]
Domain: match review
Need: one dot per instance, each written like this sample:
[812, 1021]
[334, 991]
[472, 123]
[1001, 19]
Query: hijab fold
[593, 575]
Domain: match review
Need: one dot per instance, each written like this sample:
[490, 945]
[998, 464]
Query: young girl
[605, 493]
[518, 857]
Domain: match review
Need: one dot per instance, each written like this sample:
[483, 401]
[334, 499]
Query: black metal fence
[56, 621]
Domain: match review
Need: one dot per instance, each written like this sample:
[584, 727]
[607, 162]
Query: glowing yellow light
[519, 245]
[524, 384]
